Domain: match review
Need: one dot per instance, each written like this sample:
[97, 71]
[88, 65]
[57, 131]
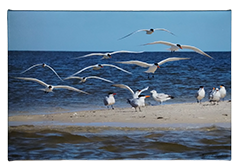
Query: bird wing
[161, 29]
[54, 72]
[196, 50]
[123, 51]
[171, 59]
[33, 79]
[116, 67]
[197, 94]
[69, 88]
[83, 70]
[88, 55]
[139, 63]
[31, 67]
[124, 87]
[96, 77]
[133, 33]
[73, 77]
[161, 42]
[143, 90]
[161, 95]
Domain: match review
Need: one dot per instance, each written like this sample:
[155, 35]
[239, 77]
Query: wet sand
[157, 116]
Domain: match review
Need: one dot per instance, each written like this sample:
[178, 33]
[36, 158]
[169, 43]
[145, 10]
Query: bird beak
[180, 47]
[220, 86]
[147, 96]
[158, 66]
[114, 93]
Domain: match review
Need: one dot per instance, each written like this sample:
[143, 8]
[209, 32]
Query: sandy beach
[157, 116]
[175, 131]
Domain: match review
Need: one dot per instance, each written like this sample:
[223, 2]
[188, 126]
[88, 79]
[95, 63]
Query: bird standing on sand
[109, 100]
[49, 88]
[222, 91]
[43, 65]
[200, 94]
[160, 97]
[215, 96]
[210, 94]
[175, 47]
[138, 102]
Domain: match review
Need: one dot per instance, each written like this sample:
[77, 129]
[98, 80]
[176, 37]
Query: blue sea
[180, 79]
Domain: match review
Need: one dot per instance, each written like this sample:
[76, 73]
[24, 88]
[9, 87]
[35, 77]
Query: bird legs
[139, 109]
[199, 101]
[111, 106]
[149, 77]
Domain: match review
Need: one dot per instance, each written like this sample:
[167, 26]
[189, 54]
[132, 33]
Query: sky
[64, 30]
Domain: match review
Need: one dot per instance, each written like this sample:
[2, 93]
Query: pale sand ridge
[186, 113]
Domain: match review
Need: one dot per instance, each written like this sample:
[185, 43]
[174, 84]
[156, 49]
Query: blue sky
[100, 30]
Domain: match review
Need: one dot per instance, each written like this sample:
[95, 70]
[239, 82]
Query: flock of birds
[214, 95]
[137, 99]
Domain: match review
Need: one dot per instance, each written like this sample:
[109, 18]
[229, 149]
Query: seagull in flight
[49, 88]
[175, 47]
[84, 79]
[99, 66]
[43, 65]
[134, 94]
[148, 31]
[152, 67]
[107, 55]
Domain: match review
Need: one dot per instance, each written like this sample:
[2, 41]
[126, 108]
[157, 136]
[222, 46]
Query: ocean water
[206, 143]
[180, 79]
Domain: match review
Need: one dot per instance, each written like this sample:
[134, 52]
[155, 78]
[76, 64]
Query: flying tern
[175, 47]
[200, 94]
[49, 88]
[99, 66]
[43, 65]
[152, 67]
[107, 55]
[109, 100]
[83, 79]
[160, 97]
[148, 31]
[134, 94]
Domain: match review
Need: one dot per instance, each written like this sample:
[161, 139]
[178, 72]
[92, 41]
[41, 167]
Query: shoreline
[161, 116]
[98, 107]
